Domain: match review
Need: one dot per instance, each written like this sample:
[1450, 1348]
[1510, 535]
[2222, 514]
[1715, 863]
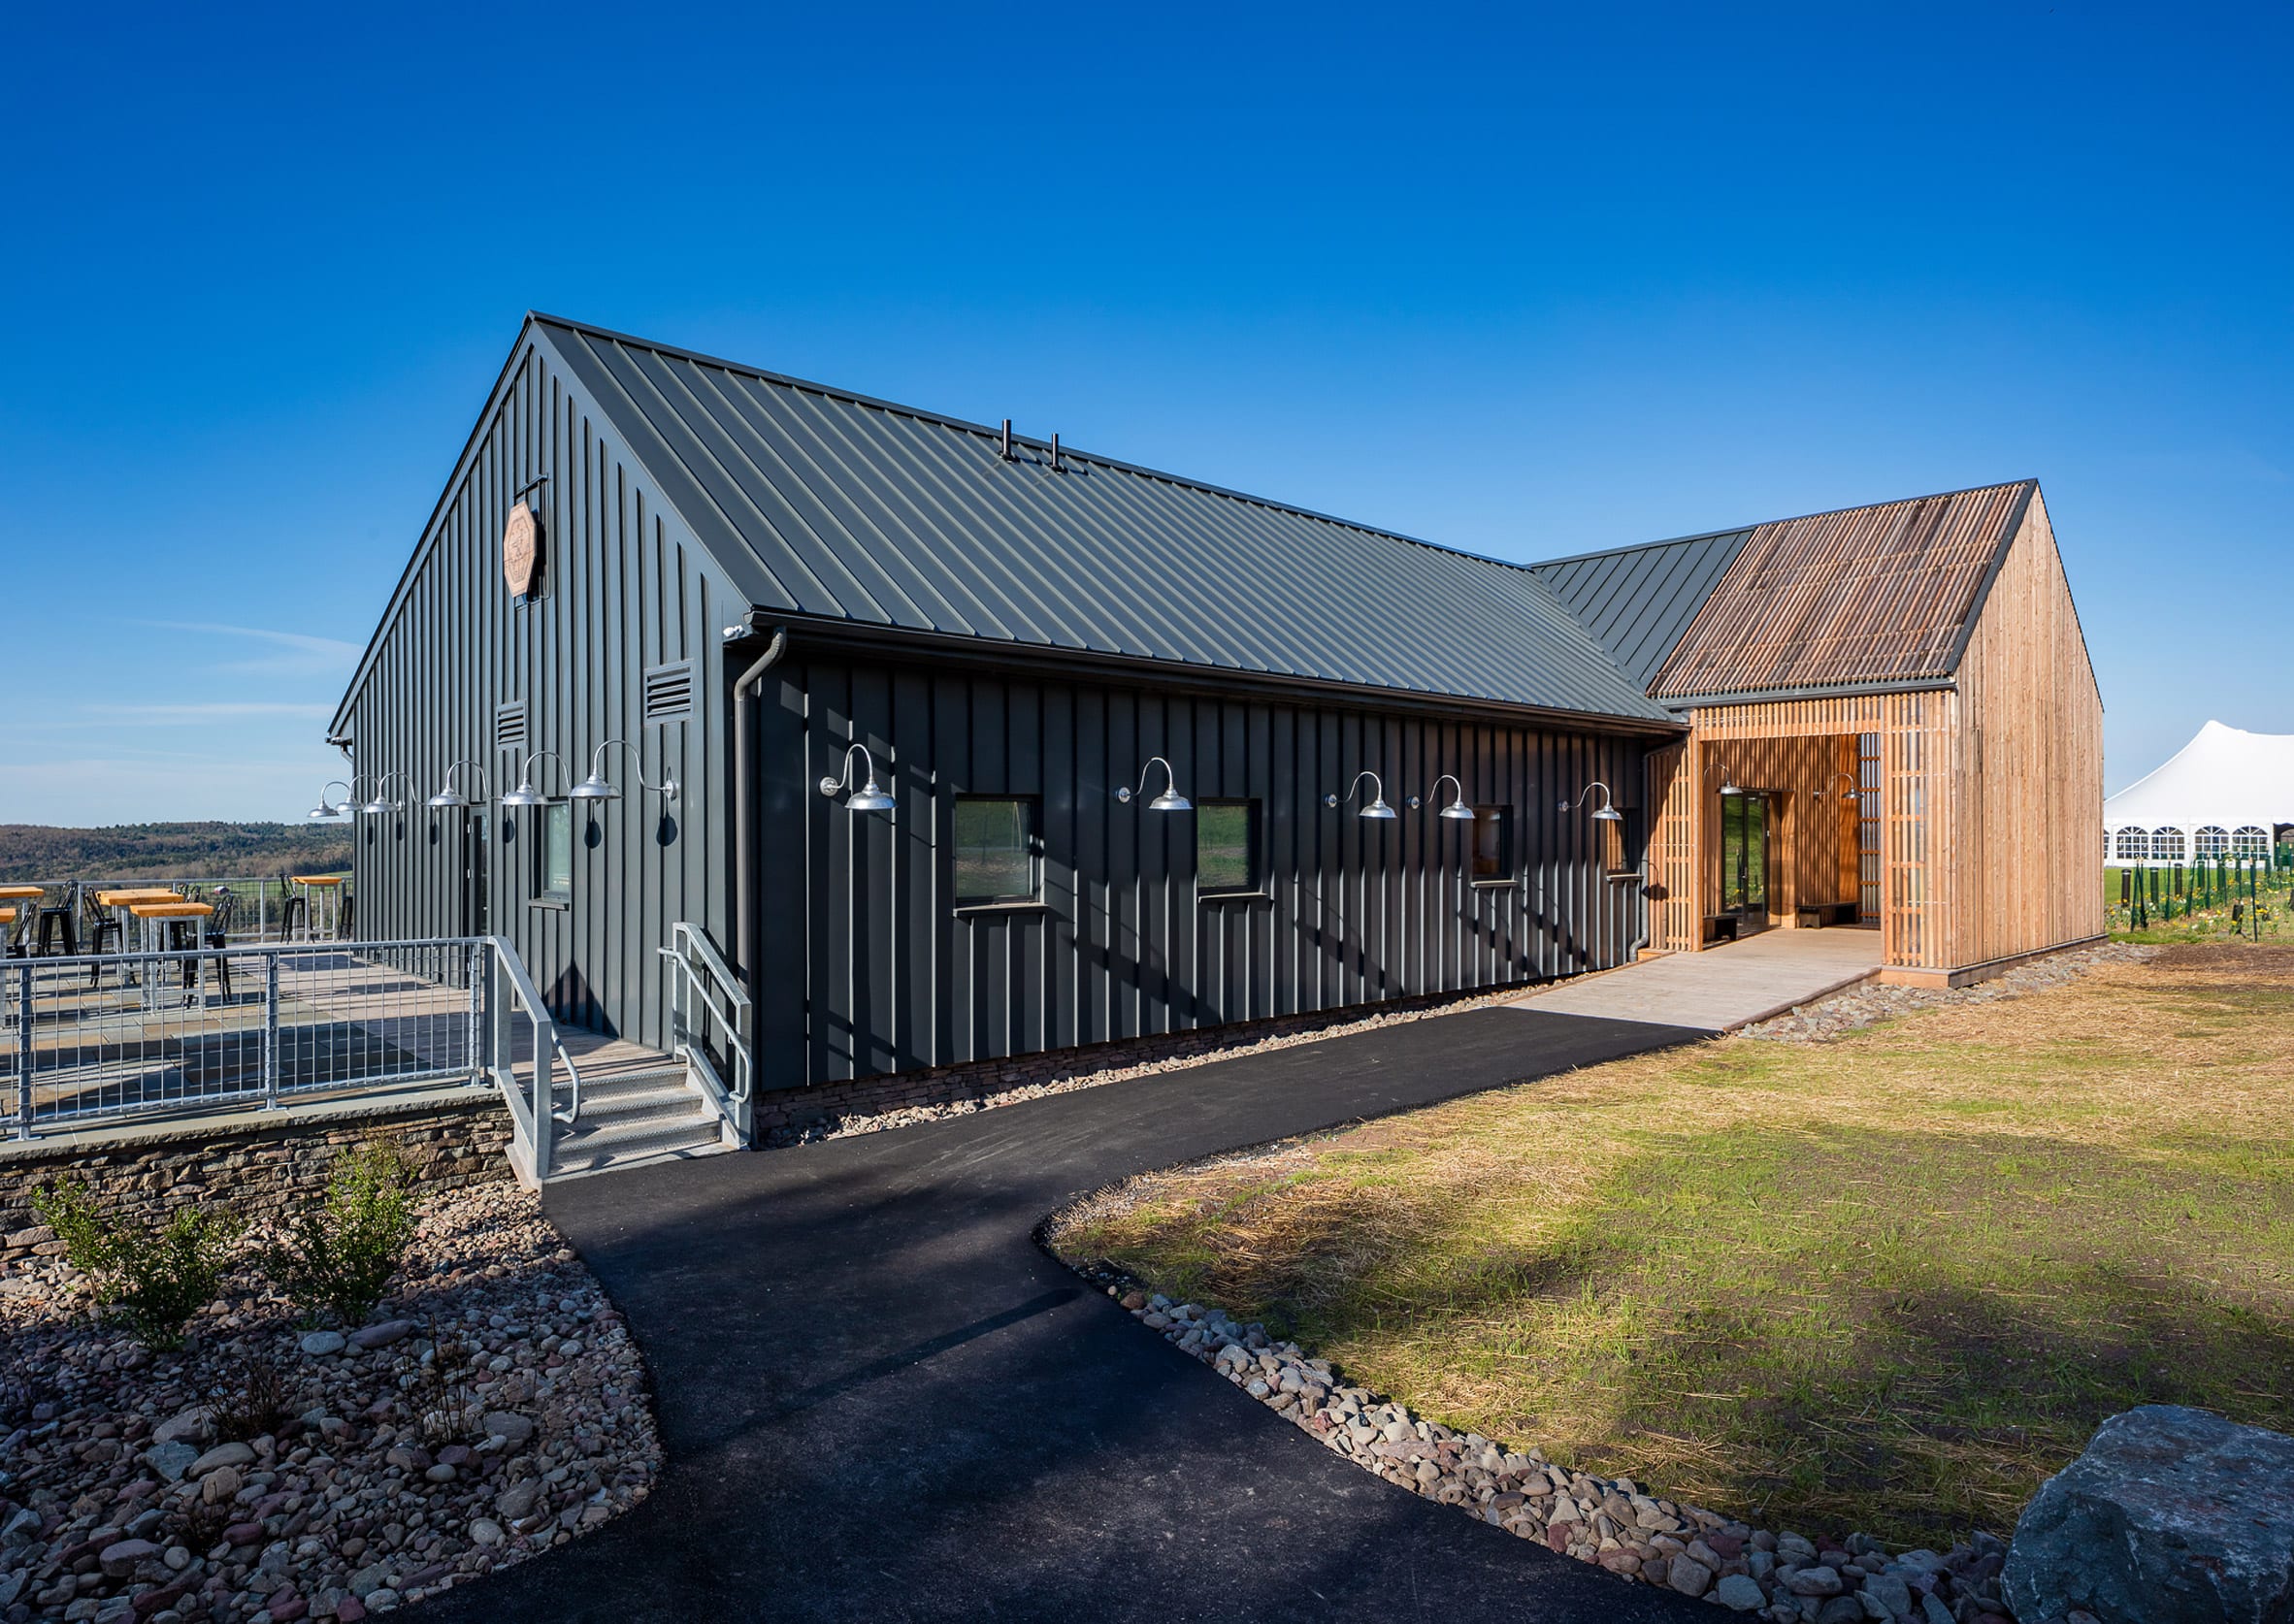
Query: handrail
[533, 1120]
[701, 978]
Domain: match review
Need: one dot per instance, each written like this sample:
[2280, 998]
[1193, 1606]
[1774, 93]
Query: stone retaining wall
[256, 1167]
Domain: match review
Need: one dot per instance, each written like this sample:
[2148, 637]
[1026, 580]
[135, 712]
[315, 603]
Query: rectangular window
[1493, 842]
[1613, 846]
[554, 852]
[1226, 848]
[997, 852]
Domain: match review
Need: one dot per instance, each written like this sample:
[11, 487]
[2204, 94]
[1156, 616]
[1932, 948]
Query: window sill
[971, 910]
[555, 904]
[1495, 884]
[1245, 896]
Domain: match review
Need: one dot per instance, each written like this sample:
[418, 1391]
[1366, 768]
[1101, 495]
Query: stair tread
[588, 1134]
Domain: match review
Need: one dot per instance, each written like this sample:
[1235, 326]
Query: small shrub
[443, 1399]
[339, 1251]
[255, 1405]
[159, 1278]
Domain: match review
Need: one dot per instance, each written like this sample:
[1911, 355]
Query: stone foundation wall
[955, 1084]
[258, 1168]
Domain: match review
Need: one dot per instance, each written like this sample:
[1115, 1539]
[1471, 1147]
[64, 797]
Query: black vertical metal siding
[869, 968]
[624, 587]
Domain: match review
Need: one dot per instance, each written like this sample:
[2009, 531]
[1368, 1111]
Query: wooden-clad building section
[1902, 698]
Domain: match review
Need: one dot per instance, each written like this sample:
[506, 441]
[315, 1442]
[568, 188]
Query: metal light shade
[448, 799]
[1608, 815]
[870, 796]
[1170, 801]
[324, 813]
[1378, 809]
[594, 787]
[1459, 811]
[525, 794]
[377, 807]
[1729, 787]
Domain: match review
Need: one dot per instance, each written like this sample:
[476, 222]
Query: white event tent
[2225, 793]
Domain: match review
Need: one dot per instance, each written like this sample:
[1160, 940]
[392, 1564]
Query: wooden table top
[138, 894]
[317, 879]
[7, 915]
[23, 893]
[178, 909]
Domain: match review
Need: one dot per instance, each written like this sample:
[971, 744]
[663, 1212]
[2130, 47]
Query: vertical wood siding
[2029, 842]
[623, 586]
[1991, 795]
[869, 968]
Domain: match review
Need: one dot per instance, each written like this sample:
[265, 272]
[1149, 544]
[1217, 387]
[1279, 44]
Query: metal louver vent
[669, 692]
[509, 725]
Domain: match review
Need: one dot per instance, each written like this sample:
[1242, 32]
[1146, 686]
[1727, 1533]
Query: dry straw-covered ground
[1886, 1282]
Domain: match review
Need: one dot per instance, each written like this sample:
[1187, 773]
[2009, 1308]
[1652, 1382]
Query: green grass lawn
[1887, 1283]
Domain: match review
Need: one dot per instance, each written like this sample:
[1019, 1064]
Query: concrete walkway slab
[1722, 988]
[882, 1399]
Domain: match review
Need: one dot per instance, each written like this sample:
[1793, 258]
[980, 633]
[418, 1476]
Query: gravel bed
[1611, 1522]
[1862, 1005]
[854, 1122]
[493, 1408]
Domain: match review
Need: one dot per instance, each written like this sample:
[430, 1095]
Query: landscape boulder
[2171, 1517]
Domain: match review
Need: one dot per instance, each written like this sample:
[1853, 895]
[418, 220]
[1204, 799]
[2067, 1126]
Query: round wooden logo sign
[521, 549]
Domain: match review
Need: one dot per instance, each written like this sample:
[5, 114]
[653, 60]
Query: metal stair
[638, 1118]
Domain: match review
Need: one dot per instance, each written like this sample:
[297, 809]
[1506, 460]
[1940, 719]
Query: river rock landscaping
[493, 1406]
[1857, 1007]
[1613, 1523]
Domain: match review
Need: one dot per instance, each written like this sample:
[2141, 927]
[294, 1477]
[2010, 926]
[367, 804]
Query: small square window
[1226, 861]
[1613, 846]
[998, 856]
[1493, 843]
[554, 852]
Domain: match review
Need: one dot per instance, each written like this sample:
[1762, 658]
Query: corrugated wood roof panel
[832, 505]
[1865, 595]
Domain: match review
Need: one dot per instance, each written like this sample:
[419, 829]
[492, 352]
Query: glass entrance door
[1743, 856]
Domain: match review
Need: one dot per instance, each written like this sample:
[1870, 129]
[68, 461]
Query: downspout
[747, 947]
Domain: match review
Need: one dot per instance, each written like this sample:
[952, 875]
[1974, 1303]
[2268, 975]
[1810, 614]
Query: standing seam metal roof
[1638, 601]
[825, 503]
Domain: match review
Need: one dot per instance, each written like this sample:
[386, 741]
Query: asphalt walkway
[882, 1399]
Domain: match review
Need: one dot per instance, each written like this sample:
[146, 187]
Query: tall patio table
[120, 899]
[17, 893]
[314, 887]
[156, 916]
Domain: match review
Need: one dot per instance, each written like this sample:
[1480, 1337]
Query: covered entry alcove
[1905, 696]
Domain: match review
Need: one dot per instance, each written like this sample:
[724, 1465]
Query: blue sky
[1524, 281]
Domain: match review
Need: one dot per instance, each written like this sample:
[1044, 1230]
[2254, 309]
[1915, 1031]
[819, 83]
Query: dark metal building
[743, 574]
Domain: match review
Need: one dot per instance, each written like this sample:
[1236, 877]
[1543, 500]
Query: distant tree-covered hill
[189, 851]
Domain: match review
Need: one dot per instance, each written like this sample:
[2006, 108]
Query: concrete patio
[1722, 988]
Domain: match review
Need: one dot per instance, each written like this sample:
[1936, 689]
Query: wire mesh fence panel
[122, 1034]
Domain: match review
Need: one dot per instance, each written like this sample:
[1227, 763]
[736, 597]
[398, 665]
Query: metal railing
[258, 918]
[709, 1024]
[105, 1037]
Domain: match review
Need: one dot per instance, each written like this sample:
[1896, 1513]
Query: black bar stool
[58, 921]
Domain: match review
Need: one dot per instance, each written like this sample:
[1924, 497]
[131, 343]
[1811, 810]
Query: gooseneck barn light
[1849, 793]
[596, 787]
[525, 794]
[327, 811]
[1603, 813]
[1457, 811]
[382, 804]
[870, 796]
[449, 798]
[1376, 808]
[1728, 787]
[1170, 801]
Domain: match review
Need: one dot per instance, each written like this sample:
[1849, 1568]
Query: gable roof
[1861, 597]
[1639, 600]
[821, 502]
